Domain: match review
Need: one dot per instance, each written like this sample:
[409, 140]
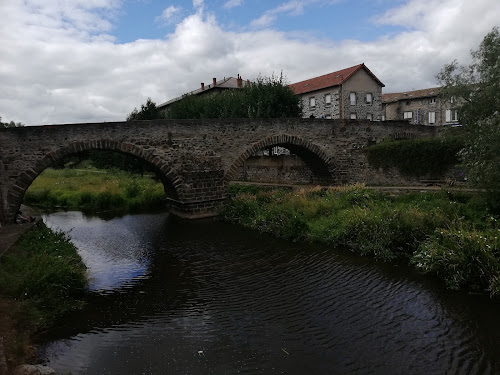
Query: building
[424, 107]
[230, 83]
[352, 93]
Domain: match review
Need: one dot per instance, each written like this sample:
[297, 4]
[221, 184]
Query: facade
[215, 87]
[352, 93]
[424, 107]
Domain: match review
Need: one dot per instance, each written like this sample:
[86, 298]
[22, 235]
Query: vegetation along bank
[450, 235]
[93, 190]
[41, 277]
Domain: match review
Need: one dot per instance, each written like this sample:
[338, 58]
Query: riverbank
[41, 277]
[449, 235]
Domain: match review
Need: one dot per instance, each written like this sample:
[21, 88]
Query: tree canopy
[148, 111]
[262, 98]
[11, 124]
[477, 89]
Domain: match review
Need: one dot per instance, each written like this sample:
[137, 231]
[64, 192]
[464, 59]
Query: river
[204, 297]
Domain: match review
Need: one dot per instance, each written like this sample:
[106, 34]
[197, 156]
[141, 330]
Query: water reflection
[209, 298]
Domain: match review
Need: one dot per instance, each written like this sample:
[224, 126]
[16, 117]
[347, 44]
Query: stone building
[215, 87]
[424, 107]
[352, 93]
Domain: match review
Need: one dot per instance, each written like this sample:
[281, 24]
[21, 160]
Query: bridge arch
[165, 172]
[313, 155]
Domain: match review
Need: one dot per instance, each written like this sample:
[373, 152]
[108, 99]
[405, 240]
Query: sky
[74, 61]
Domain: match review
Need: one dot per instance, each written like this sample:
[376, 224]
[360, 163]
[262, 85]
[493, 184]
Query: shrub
[463, 258]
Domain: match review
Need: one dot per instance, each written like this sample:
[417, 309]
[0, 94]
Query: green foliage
[11, 124]
[477, 88]
[95, 190]
[148, 111]
[463, 257]
[464, 250]
[263, 98]
[110, 160]
[45, 270]
[417, 157]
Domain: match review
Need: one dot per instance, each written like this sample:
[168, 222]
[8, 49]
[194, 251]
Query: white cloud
[198, 4]
[293, 7]
[290, 8]
[168, 14]
[233, 3]
[60, 66]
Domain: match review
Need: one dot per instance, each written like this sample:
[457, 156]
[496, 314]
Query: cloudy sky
[68, 61]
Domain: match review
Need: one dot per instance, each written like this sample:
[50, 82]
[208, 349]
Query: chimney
[214, 81]
[202, 86]
[239, 82]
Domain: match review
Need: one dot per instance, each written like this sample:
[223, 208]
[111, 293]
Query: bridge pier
[195, 210]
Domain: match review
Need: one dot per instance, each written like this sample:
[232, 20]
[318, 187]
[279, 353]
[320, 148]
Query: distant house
[425, 107]
[230, 83]
[352, 93]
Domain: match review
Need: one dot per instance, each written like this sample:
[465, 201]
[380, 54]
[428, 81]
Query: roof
[328, 80]
[226, 83]
[407, 95]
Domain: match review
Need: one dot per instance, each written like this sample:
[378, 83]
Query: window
[432, 101]
[383, 118]
[369, 116]
[369, 98]
[312, 102]
[452, 99]
[432, 117]
[353, 98]
[353, 116]
[328, 117]
[451, 115]
[328, 99]
[408, 115]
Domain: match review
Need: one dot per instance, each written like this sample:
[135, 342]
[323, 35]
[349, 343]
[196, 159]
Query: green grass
[41, 277]
[95, 190]
[446, 234]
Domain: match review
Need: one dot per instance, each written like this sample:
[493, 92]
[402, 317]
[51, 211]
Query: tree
[148, 111]
[263, 98]
[11, 124]
[477, 90]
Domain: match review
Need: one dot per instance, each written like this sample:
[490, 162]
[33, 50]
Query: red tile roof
[408, 95]
[328, 80]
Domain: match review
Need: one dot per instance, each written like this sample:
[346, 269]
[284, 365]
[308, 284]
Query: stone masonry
[196, 159]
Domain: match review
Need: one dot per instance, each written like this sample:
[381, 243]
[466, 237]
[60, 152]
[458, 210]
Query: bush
[463, 258]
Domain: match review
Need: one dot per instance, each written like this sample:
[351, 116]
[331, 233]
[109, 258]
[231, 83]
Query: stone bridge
[196, 159]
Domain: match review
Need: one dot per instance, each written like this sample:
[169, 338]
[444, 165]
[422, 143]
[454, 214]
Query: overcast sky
[69, 61]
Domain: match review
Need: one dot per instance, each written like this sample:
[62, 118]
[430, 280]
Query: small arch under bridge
[196, 159]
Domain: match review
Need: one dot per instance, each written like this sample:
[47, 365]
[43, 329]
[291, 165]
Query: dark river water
[204, 297]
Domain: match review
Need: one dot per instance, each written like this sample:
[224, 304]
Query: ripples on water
[174, 297]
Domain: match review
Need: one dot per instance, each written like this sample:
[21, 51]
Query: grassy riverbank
[95, 190]
[450, 235]
[41, 277]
